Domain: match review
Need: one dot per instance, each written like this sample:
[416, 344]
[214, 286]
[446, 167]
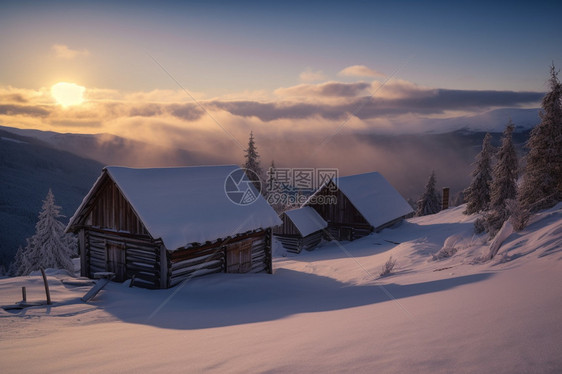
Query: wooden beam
[164, 281]
[82, 251]
[47, 292]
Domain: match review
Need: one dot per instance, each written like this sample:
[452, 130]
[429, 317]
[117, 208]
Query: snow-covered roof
[306, 220]
[184, 205]
[375, 198]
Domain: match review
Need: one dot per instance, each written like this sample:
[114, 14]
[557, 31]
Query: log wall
[211, 257]
[287, 228]
[296, 243]
[111, 210]
[345, 222]
[142, 257]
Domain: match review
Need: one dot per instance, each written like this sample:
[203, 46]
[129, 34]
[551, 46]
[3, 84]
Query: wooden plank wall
[343, 212]
[287, 228]
[211, 258]
[142, 256]
[259, 255]
[193, 262]
[112, 211]
[296, 244]
[342, 217]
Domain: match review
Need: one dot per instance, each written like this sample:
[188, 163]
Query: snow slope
[321, 311]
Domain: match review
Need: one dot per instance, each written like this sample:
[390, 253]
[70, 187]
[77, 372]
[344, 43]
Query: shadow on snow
[231, 299]
[385, 240]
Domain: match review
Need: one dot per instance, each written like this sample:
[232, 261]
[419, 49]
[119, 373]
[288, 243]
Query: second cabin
[301, 229]
[357, 205]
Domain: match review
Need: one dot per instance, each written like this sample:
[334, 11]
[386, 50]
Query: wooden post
[163, 267]
[23, 294]
[84, 266]
[268, 247]
[445, 204]
[46, 286]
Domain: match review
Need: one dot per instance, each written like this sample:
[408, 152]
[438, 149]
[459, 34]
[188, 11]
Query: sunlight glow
[67, 94]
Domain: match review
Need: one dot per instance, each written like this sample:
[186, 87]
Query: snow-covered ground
[322, 311]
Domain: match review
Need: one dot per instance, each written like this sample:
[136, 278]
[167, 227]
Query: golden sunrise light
[67, 94]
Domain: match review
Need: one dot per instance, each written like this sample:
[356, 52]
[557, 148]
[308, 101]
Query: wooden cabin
[301, 229]
[357, 205]
[163, 225]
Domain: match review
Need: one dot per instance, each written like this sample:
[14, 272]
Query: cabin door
[116, 262]
[239, 257]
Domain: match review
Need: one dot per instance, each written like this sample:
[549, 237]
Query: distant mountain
[114, 150]
[407, 160]
[491, 121]
[28, 168]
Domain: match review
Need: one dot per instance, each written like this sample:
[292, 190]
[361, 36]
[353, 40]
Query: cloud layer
[65, 52]
[398, 106]
[360, 71]
[318, 124]
[310, 75]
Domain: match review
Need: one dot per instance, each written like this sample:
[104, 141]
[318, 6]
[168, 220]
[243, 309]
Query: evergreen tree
[505, 172]
[253, 161]
[477, 195]
[503, 188]
[16, 265]
[50, 246]
[542, 181]
[430, 201]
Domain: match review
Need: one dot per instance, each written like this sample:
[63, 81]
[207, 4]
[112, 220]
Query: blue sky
[223, 47]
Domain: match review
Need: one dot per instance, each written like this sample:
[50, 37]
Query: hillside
[321, 311]
[114, 150]
[28, 168]
[406, 160]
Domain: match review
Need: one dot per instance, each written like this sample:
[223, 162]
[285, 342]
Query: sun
[67, 94]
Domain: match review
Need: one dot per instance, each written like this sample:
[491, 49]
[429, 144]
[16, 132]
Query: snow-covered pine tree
[253, 160]
[16, 265]
[430, 201]
[50, 246]
[504, 183]
[505, 172]
[477, 195]
[542, 181]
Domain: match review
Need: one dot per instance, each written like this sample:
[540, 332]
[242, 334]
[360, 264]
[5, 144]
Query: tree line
[495, 191]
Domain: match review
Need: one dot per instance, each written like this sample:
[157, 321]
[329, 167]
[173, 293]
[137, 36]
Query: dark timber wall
[345, 222]
[139, 258]
[291, 238]
[250, 252]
